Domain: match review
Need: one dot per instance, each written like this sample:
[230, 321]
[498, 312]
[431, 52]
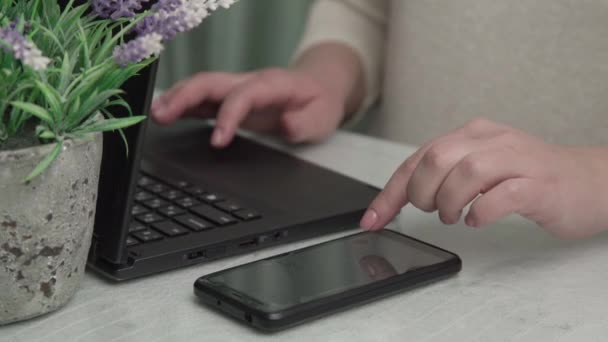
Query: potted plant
[61, 70]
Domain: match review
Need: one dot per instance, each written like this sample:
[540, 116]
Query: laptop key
[145, 181]
[187, 202]
[142, 196]
[228, 206]
[170, 228]
[171, 210]
[213, 215]
[196, 224]
[195, 191]
[148, 235]
[136, 227]
[149, 218]
[172, 195]
[211, 197]
[155, 203]
[157, 188]
[181, 184]
[138, 210]
[246, 215]
[131, 241]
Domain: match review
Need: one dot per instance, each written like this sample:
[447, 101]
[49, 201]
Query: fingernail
[469, 221]
[369, 219]
[157, 108]
[218, 137]
[155, 104]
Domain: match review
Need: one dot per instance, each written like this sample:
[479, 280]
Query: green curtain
[250, 35]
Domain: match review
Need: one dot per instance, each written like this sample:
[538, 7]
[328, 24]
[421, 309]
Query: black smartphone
[291, 288]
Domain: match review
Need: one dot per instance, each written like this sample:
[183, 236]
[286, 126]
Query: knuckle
[472, 166]
[436, 158]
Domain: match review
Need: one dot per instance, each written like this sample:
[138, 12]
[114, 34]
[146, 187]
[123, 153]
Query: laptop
[173, 201]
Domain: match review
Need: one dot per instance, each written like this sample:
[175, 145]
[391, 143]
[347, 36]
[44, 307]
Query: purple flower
[167, 19]
[138, 49]
[176, 16]
[167, 5]
[12, 41]
[167, 24]
[116, 9]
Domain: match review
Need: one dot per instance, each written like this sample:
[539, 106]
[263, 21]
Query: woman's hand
[304, 104]
[501, 171]
[290, 103]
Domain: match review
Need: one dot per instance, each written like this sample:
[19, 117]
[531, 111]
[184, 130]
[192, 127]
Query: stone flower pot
[46, 226]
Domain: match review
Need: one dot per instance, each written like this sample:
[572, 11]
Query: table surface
[517, 284]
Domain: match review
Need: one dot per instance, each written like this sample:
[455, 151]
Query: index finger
[265, 90]
[194, 92]
[394, 195]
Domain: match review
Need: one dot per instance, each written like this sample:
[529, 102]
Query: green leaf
[85, 47]
[52, 98]
[45, 134]
[35, 110]
[90, 80]
[66, 72]
[121, 103]
[92, 104]
[112, 124]
[46, 162]
[48, 33]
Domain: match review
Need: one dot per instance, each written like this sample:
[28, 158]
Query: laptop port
[248, 318]
[248, 243]
[280, 235]
[196, 255]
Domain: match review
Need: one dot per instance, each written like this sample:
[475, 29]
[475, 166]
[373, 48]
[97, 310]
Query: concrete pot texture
[46, 226]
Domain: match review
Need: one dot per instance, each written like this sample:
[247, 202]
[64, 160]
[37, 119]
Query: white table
[517, 284]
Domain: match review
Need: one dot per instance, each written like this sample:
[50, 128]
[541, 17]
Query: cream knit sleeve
[359, 24]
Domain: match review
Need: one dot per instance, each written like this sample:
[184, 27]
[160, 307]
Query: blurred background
[251, 35]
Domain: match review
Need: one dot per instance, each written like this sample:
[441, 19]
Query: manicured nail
[218, 137]
[469, 221]
[369, 219]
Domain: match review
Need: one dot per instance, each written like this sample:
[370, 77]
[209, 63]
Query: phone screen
[337, 266]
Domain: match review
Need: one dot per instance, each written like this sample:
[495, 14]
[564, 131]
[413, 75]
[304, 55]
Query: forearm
[339, 69]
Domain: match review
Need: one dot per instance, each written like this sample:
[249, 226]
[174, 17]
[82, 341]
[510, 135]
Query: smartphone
[299, 286]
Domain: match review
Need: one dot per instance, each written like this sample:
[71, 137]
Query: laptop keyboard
[164, 210]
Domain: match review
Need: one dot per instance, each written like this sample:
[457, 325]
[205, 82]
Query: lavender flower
[168, 18]
[215, 4]
[138, 49]
[167, 5]
[177, 16]
[12, 41]
[115, 9]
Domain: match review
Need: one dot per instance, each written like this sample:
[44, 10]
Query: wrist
[594, 164]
